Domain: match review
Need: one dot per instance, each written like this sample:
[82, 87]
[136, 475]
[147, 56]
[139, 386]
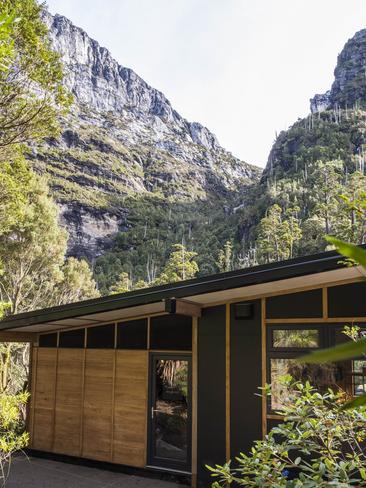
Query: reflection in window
[297, 338]
[320, 376]
[171, 409]
[357, 378]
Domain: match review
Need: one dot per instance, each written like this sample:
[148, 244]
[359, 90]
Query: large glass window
[320, 376]
[285, 343]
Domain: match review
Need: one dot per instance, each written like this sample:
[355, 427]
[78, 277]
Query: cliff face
[122, 140]
[348, 90]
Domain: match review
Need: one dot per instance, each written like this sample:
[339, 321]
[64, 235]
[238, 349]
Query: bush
[318, 444]
[12, 435]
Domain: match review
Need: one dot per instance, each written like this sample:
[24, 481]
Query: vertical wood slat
[44, 399]
[325, 302]
[194, 399]
[81, 413]
[97, 408]
[264, 365]
[130, 412]
[32, 401]
[113, 395]
[68, 401]
[228, 408]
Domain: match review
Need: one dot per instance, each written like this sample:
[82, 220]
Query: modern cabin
[165, 379]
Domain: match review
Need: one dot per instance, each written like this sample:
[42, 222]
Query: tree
[32, 251]
[76, 283]
[318, 444]
[12, 435]
[123, 285]
[278, 232]
[350, 223]
[325, 183]
[225, 260]
[181, 265]
[31, 89]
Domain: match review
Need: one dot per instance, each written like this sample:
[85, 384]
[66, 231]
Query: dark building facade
[166, 379]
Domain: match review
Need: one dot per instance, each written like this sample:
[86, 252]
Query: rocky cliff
[124, 141]
[348, 90]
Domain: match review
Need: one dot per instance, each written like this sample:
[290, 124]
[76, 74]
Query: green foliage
[34, 273]
[152, 226]
[318, 444]
[76, 283]
[278, 232]
[181, 265]
[32, 94]
[225, 260]
[12, 435]
[123, 284]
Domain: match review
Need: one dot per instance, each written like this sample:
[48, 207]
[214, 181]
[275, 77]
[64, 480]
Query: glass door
[170, 412]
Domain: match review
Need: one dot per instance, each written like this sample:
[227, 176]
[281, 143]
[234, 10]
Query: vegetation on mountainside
[33, 270]
[181, 265]
[313, 186]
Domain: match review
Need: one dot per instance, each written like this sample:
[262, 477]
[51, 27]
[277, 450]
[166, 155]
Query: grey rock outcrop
[349, 87]
[123, 138]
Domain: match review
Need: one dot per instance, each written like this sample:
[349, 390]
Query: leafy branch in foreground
[318, 444]
[350, 350]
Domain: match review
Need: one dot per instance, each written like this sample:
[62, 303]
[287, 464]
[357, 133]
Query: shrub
[318, 444]
[12, 435]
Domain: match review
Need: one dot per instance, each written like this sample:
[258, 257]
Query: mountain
[126, 154]
[348, 90]
[316, 168]
[132, 177]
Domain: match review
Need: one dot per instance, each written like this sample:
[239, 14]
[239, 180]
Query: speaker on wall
[243, 311]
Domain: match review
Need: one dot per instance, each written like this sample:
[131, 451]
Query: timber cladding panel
[69, 400]
[131, 387]
[90, 403]
[98, 398]
[44, 399]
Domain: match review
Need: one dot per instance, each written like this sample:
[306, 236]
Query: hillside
[132, 177]
[126, 159]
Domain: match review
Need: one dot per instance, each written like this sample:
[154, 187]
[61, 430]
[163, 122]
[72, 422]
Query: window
[320, 376]
[285, 343]
[296, 338]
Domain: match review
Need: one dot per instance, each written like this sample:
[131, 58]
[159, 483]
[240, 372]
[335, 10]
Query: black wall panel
[347, 300]
[171, 332]
[295, 305]
[48, 340]
[72, 339]
[100, 337]
[211, 392]
[245, 378]
[132, 335]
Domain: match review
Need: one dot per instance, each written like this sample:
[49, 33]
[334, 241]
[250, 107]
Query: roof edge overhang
[213, 283]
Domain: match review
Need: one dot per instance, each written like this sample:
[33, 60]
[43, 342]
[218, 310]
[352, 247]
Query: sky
[245, 69]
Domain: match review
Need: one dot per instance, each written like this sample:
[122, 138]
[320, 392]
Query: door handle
[152, 411]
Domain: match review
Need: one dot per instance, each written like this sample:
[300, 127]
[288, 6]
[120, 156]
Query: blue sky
[246, 69]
